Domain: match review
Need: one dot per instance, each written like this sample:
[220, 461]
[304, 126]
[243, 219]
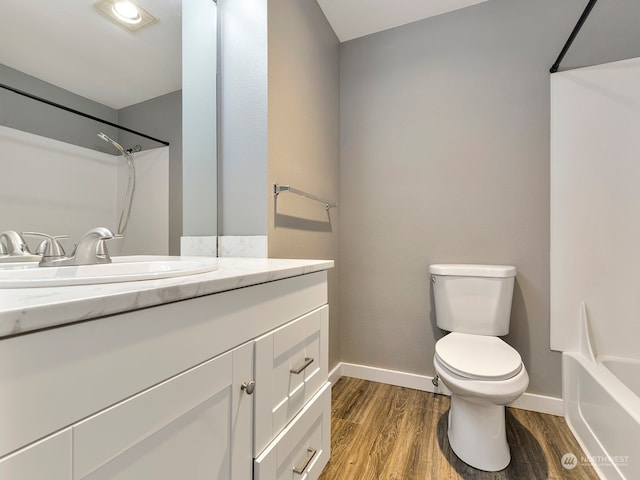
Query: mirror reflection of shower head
[128, 198]
[112, 142]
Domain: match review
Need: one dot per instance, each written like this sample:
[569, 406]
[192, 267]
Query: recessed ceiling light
[125, 13]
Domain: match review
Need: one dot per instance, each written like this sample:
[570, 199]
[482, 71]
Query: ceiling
[69, 44]
[356, 18]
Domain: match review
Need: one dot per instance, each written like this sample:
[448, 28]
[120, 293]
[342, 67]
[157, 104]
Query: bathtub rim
[604, 359]
[627, 400]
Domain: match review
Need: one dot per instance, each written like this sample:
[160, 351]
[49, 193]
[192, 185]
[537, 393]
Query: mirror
[76, 48]
[72, 55]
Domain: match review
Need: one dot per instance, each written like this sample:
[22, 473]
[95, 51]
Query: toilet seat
[478, 357]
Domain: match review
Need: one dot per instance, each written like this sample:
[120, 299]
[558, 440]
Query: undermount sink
[123, 269]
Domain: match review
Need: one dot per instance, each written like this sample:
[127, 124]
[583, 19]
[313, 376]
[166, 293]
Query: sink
[123, 269]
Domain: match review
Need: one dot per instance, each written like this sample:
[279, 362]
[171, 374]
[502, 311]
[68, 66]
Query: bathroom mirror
[74, 47]
[71, 54]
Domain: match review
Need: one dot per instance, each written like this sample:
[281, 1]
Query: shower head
[112, 142]
[128, 198]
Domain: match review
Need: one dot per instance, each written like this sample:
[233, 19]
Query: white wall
[595, 206]
[148, 230]
[58, 188]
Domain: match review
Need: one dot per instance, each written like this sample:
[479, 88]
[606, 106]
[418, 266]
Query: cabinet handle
[307, 361]
[311, 452]
[248, 387]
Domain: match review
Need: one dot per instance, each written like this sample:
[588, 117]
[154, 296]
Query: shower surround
[595, 259]
[62, 189]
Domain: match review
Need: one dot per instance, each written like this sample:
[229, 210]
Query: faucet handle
[49, 247]
[15, 244]
[3, 249]
[101, 248]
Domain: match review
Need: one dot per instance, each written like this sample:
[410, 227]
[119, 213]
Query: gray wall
[38, 118]
[199, 117]
[610, 33]
[242, 149]
[445, 159]
[304, 139]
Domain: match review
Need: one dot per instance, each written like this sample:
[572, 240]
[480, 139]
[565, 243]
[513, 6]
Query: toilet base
[477, 434]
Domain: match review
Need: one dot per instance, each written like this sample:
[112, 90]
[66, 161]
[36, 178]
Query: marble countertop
[28, 309]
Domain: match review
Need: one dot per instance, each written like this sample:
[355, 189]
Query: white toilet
[484, 373]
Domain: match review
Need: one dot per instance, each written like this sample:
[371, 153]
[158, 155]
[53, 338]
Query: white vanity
[155, 379]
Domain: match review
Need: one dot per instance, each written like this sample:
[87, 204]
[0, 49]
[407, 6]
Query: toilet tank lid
[473, 270]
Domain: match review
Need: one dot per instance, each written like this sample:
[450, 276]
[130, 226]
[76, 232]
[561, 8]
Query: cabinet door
[196, 426]
[49, 458]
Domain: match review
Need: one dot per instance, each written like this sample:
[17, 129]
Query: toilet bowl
[483, 372]
[479, 391]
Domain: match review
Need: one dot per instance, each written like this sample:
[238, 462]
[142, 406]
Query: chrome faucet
[49, 248]
[13, 248]
[91, 250]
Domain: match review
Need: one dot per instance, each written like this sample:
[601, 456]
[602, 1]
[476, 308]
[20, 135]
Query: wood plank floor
[383, 432]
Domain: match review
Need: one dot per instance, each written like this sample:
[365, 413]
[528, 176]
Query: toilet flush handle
[433, 279]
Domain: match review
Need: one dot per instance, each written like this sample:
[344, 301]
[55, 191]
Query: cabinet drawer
[302, 449]
[291, 366]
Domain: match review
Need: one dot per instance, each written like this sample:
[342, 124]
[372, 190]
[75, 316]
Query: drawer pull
[307, 361]
[311, 452]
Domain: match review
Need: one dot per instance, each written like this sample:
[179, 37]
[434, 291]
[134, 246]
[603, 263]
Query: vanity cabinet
[166, 392]
[193, 426]
[47, 459]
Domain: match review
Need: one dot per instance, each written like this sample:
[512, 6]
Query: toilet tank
[473, 299]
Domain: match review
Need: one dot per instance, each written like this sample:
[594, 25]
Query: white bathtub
[602, 408]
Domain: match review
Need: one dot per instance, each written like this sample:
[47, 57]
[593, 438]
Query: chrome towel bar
[277, 189]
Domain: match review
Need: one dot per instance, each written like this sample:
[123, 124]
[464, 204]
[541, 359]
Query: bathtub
[602, 409]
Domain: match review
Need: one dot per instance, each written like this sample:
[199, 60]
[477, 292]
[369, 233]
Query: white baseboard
[540, 403]
[528, 401]
[392, 377]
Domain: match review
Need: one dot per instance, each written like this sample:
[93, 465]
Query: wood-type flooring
[384, 432]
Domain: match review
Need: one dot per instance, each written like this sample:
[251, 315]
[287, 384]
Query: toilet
[483, 373]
